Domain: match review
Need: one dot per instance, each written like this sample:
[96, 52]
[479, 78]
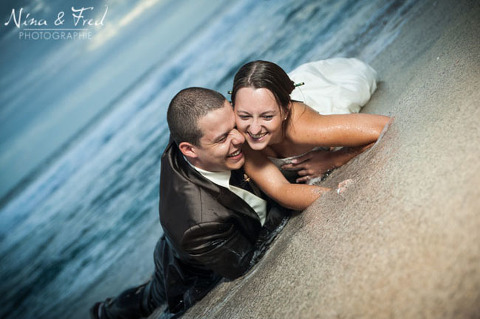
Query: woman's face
[258, 117]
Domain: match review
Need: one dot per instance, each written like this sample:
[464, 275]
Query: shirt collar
[220, 178]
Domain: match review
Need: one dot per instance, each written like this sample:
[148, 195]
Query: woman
[277, 127]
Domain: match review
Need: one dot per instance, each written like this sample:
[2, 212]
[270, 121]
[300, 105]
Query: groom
[214, 220]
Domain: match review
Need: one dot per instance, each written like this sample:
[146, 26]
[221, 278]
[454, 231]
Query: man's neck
[220, 178]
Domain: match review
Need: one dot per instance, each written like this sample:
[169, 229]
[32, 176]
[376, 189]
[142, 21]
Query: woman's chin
[257, 146]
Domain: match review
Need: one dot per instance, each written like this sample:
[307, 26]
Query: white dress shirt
[258, 204]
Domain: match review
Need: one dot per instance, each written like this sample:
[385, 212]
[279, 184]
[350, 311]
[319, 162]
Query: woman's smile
[258, 117]
[257, 136]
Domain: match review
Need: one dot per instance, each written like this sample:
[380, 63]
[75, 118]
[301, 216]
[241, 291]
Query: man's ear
[188, 149]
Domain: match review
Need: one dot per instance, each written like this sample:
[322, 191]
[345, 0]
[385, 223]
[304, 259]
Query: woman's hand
[313, 164]
[317, 163]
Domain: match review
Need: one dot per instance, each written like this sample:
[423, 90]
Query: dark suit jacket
[209, 232]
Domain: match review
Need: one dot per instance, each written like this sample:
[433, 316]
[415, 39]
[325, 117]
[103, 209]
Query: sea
[83, 122]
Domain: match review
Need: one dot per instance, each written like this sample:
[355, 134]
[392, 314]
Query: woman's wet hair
[264, 74]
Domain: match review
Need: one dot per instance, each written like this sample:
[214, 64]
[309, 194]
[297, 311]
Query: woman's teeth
[257, 136]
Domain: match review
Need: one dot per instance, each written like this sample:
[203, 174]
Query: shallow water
[95, 206]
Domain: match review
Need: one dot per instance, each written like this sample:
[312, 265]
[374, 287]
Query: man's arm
[221, 247]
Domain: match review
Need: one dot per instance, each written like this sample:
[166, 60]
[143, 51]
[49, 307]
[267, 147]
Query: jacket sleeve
[220, 247]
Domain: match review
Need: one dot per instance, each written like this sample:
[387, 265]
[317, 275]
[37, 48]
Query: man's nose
[237, 137]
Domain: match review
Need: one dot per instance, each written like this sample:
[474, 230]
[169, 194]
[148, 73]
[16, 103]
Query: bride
[283, 132]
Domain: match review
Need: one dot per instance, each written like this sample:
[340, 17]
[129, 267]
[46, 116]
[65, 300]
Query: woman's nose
[254, 127]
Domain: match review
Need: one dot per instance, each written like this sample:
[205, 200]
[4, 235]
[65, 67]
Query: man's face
[220, 146]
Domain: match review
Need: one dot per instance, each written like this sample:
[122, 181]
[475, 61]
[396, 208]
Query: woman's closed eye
[266, 117]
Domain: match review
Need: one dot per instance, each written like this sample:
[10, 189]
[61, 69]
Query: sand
[404, 240]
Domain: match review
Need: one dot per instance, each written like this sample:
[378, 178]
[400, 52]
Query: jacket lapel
[235, 203]
[223, 195]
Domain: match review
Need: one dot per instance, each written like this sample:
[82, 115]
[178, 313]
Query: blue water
[84, 228]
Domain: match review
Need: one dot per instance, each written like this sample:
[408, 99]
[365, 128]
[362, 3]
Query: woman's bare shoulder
[301, 112]
[301, 119]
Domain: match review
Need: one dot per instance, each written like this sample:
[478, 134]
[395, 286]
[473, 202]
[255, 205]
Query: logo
[77, 24]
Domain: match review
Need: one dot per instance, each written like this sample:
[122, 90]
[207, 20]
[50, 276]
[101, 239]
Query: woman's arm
[307, 127]
[272, 182]
[317, 163]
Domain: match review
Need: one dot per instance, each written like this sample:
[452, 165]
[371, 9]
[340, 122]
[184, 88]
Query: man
[214, 220]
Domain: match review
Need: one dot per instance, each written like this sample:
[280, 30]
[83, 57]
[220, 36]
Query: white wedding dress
[332, 86]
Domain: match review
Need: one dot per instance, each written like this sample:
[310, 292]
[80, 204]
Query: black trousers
[141, 301]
